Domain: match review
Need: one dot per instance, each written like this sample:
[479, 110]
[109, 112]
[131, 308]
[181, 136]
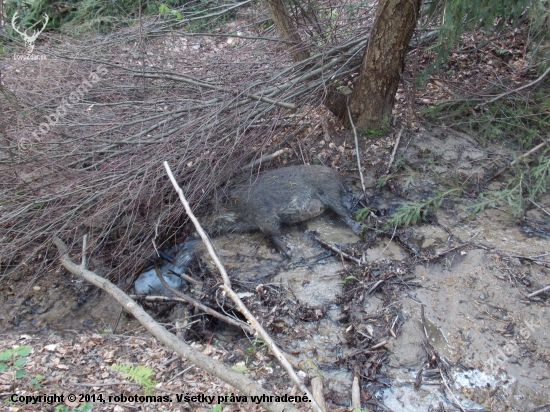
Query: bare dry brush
[205, 104]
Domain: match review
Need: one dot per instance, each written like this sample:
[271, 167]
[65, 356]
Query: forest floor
[439, 316]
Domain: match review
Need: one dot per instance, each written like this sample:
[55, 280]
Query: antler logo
[29, 40]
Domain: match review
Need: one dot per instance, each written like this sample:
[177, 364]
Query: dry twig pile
[85, 130]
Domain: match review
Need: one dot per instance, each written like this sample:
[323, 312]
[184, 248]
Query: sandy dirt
[491, 339]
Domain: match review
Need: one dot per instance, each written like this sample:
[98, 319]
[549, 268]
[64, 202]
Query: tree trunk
[373, 96]
[287, 29]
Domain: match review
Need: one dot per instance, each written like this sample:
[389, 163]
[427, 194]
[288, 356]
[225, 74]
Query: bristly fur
[226, 222]
[288, 195]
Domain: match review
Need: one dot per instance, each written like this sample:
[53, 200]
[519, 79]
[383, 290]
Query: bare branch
[526, 86]
[237, 380]
[234, 297]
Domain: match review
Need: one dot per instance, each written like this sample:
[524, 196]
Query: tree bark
[287, 29]
[373, 96]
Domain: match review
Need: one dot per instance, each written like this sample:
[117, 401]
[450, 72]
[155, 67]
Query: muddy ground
[487, 345]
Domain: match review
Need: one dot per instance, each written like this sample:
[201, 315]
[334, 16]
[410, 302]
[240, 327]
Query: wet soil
[470, 278]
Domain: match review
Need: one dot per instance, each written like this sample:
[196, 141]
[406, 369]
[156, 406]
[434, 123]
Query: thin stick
[313, 372]
[392, 326]
[500, 96]
[189, 279]
[367, 350]
[538, 292]
[266, 158]
[355, 390]
[198, 226]
[540, 207]
[523, 156]
[357, 151]
[335, 249]
[383, 250]
[457, 402]
[222, 89]
[215, 368]
[235, 298]
[118, 319]
[529, 153]
[84, 245]
[202, 307]
[392, 157]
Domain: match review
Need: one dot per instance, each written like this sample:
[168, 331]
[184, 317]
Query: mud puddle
[496, 341]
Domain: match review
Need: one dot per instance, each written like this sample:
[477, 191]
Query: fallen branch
[199, 83]
[357, 154]
[500, 96]
[315, 376]
[540, 207]
[355, 389]
[335, 249]
[375, 286]
[538, 292]
[234, 297]
[536, 259]
[266, 158]
[512, 164]
[368, 350]
[187, 299]
[387, 245]
[198, 284]
[395, 146]
[215, 368]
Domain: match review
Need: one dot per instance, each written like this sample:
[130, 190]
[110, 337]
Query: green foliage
[80, 16]
[525, 121]
[240, 368]
[490, 16]
[257, 344]
[413, 212]
[17, 358]
[83, 407]
[216, 408]
[382, 131]
[139, 374]
[163, 8]
[362, 214]
[381, 182]
[36, 380]
[528, 181]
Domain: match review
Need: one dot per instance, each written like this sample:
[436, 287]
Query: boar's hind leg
[355, 226]
[272, 229]
[341, 211]
[280, 245]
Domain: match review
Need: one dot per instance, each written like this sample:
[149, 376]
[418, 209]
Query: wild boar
[288, 195]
